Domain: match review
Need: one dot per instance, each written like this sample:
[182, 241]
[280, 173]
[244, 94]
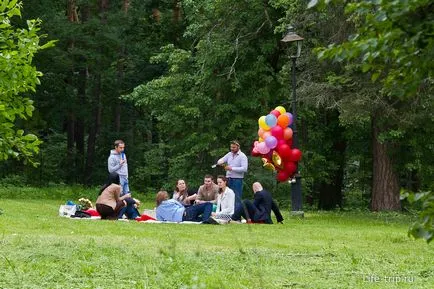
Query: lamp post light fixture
[296, 196]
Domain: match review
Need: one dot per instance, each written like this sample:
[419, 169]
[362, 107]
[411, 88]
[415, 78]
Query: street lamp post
[296, 196]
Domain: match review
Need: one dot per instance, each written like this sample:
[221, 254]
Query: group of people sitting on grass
[215, 204]
[211, 204]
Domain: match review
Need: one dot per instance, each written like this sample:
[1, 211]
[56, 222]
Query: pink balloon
[266, 134]
[262, 148]
[281, 141]
[277, 132]
[275, 112]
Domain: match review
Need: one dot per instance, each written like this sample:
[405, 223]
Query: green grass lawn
[325, 250]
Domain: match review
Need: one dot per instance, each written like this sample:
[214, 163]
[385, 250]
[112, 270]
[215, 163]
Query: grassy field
[325, 250]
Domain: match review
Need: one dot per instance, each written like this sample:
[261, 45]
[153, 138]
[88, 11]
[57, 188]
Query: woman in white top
[225, 200]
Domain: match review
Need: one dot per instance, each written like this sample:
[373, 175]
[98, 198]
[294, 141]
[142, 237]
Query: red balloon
[284, 151]
[295, 155]
[290, 167]
[282, 176]
[277, 132]
[289, 142]
[275, 112]
[281, 141]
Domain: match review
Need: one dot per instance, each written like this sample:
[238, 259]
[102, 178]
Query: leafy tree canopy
[17, 76]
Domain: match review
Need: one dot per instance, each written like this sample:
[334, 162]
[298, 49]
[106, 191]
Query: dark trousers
[193, 213]
[129, 210]
[107, 212]
[246, 209]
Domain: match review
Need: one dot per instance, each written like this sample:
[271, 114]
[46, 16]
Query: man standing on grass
[117, 162]
[236, 165]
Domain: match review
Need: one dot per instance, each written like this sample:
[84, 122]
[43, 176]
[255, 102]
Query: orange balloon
[261, 132]
[283, 120]
[287, 133]
[266, 134]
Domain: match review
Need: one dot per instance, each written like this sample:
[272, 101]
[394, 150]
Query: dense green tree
[391, 43]
[18, 75]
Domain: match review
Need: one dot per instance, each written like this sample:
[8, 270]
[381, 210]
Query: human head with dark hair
[113, 178]
[181, 186]
[119, 145]
[208, 181]
[222, 182]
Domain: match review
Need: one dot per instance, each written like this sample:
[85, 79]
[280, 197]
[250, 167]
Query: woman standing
[182, 195]
[109, 201]
[225, 200]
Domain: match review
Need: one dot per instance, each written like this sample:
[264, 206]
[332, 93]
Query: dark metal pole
[296, 198]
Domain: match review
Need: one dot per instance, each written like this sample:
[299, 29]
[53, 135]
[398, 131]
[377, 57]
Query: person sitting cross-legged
[170, 210]
[225, 201]
[258, 211]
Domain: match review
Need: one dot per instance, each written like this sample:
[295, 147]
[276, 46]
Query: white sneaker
[234, 222]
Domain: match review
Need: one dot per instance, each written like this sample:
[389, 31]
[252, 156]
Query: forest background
[177, 80]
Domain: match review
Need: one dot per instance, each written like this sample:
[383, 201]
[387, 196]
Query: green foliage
[386, 79]
[337, 250]
[217, 82]
[18, 46]
[392, 42]
[424, 226]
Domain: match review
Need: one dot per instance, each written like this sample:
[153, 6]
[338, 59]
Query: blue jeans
[129, 210]
[237, 186]
[124, 185]
[192, 213]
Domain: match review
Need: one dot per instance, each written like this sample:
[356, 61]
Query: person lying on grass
[258, 211]
[109, 202]
[170, 210]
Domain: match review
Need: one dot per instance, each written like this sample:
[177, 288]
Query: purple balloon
[291, 118]
[271, 142]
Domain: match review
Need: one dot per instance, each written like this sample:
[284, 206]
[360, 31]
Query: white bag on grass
[67, 210]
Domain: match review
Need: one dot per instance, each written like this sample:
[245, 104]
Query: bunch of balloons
[275, 142]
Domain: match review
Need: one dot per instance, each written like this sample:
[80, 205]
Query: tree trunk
[330, 193]
[176, 11]
[70, 133]
[94, 128]
[71, 117]
[120, 75]
[385, 183]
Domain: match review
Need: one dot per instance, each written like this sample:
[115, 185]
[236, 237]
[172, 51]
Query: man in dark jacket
[258, 211]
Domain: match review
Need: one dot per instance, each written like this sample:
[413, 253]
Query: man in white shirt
[236, 164]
